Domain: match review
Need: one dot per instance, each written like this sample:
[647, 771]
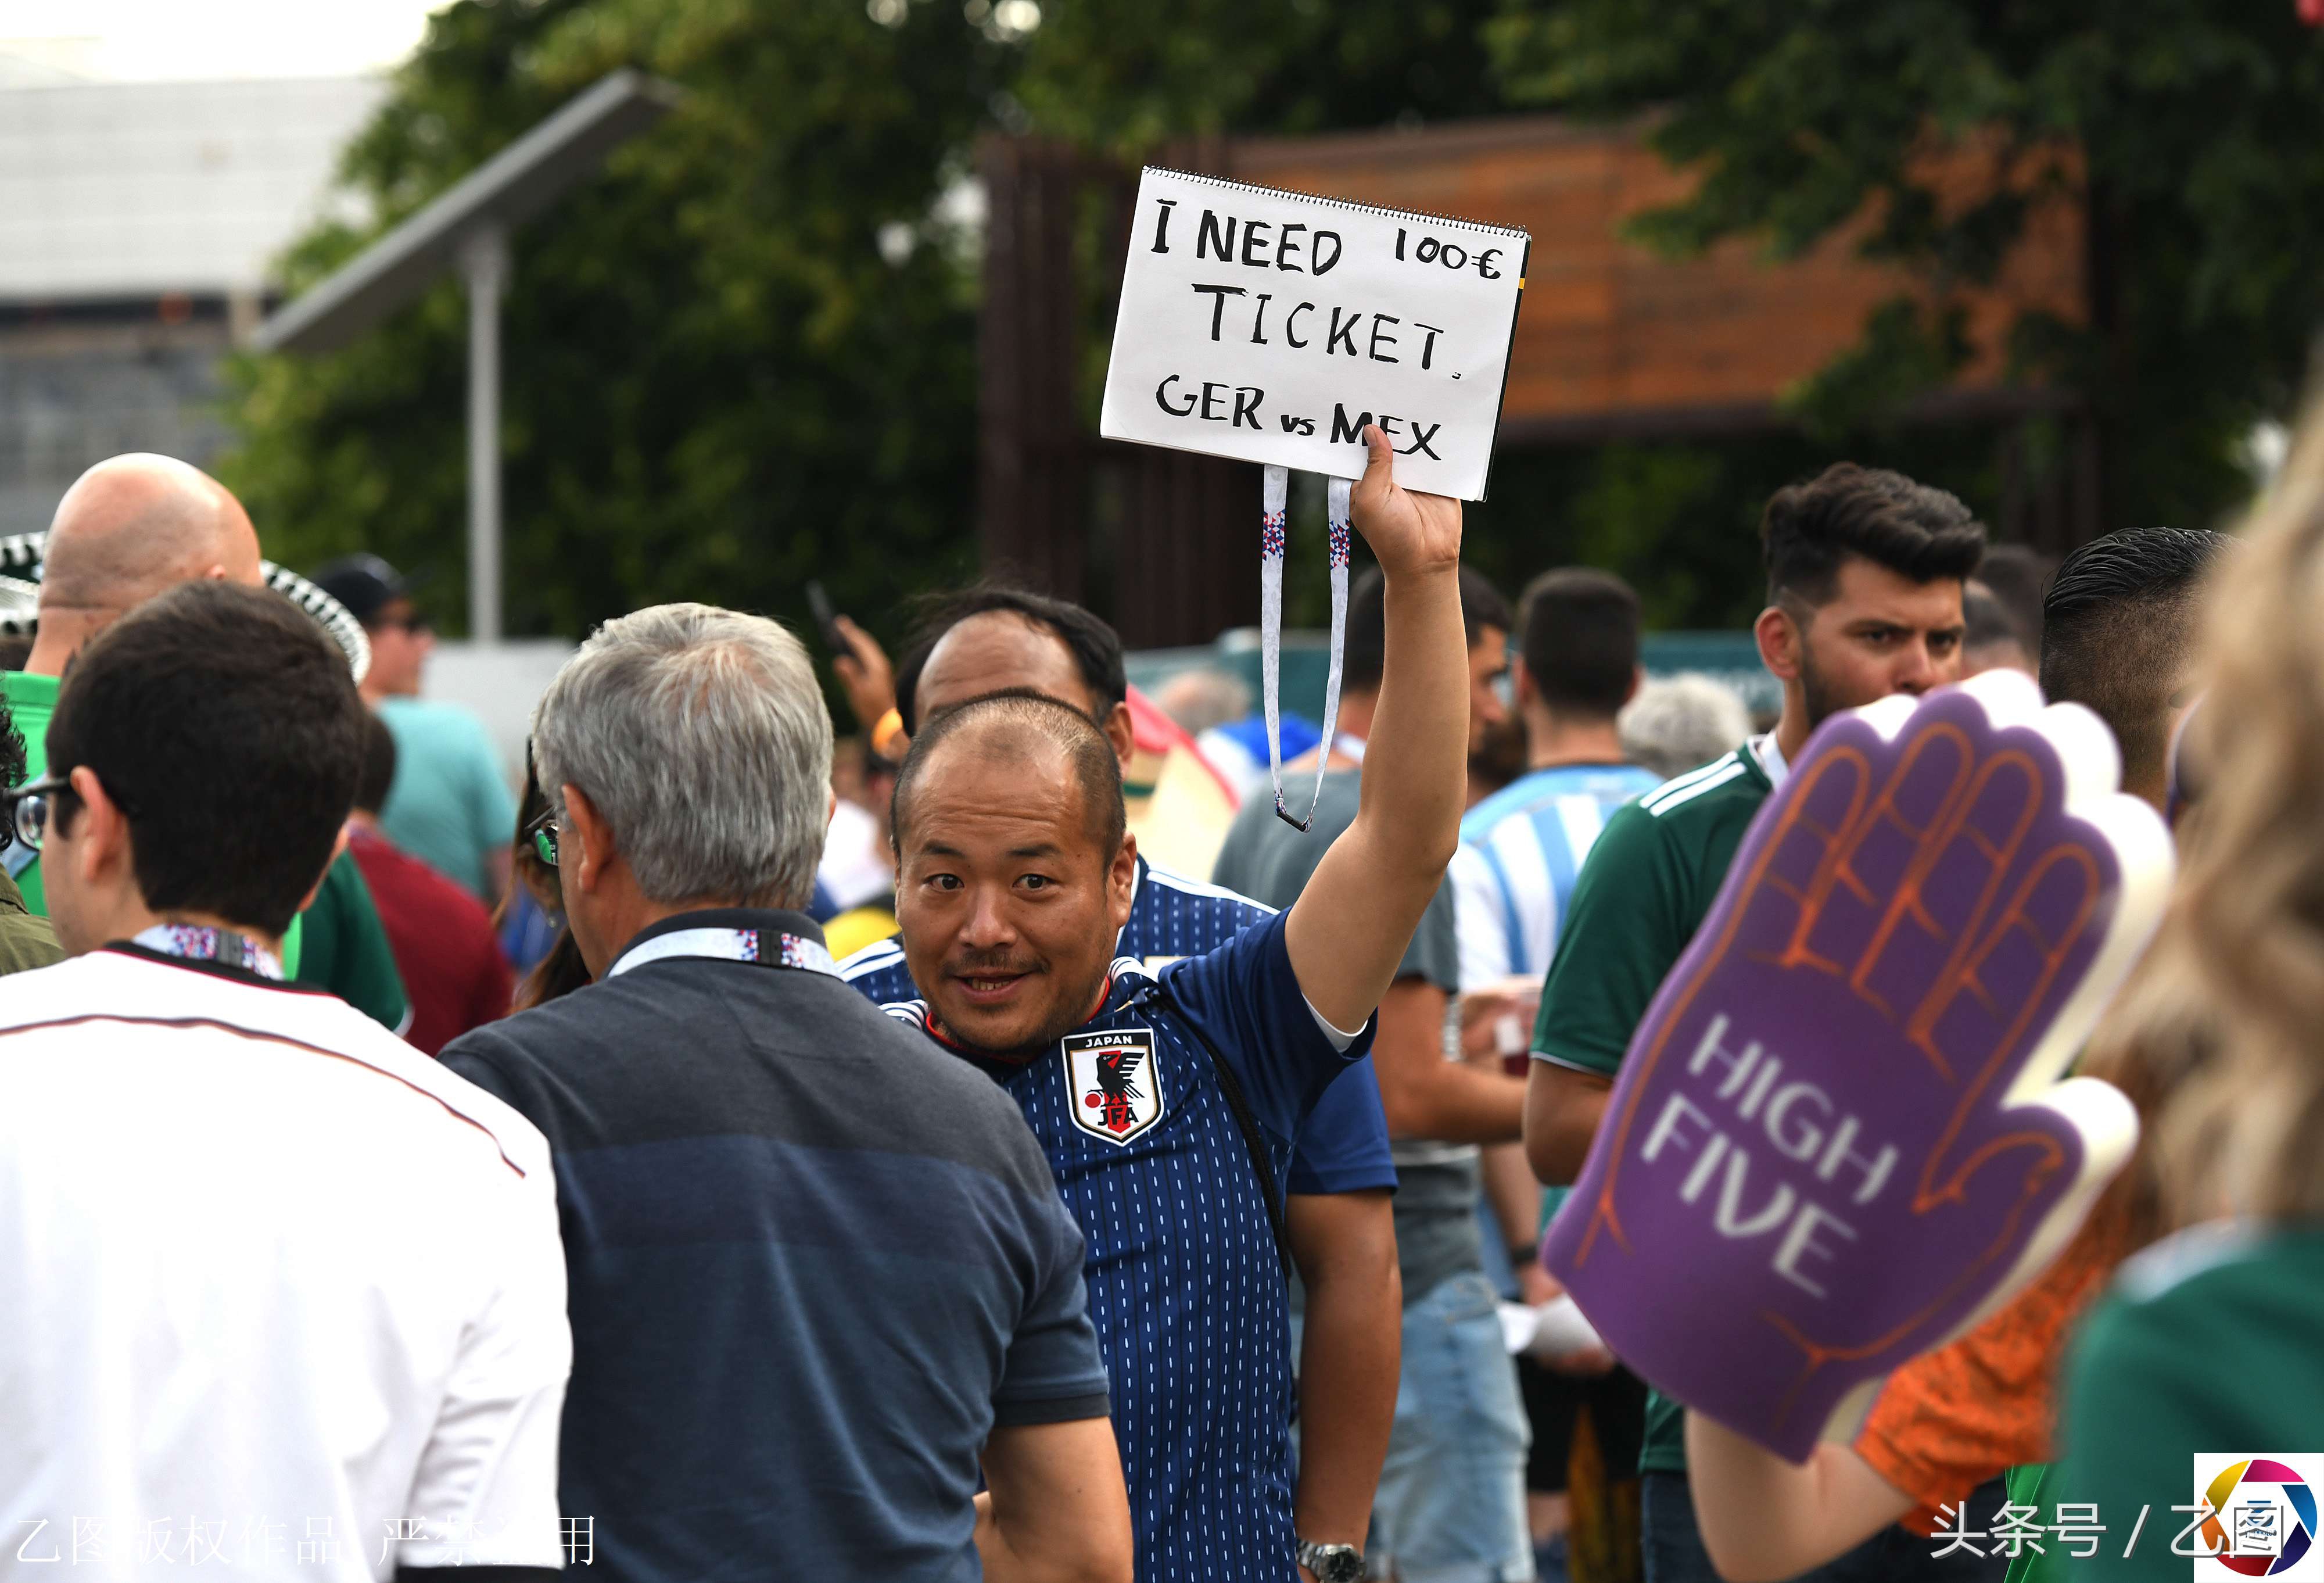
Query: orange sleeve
[1984, 1402]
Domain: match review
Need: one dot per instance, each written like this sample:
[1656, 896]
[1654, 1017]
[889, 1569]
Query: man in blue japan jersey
[1336, 1216]
[1016, 875]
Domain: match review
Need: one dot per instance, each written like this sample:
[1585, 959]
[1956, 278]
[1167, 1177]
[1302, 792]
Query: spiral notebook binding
[1383, 210]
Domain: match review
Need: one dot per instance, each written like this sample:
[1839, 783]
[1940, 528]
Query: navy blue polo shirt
[812, 1261]
[1189, 1298]
[1343, 1145]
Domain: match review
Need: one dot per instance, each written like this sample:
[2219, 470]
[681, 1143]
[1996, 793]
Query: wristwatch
[1331, 1563]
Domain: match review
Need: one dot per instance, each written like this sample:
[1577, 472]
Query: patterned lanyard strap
[198, 943]
[1275, 487]
[768, 948]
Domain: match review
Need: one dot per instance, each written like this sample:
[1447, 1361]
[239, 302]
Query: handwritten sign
[1272, 327]
[1840, 1136]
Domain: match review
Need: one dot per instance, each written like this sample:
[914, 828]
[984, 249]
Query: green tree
[2200, 136]
[745, 355]
[742, 358]
[1131, 78]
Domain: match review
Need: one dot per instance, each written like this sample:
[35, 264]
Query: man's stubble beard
[1816, 693]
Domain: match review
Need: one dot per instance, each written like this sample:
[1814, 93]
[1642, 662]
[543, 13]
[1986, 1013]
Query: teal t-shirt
[449, 805]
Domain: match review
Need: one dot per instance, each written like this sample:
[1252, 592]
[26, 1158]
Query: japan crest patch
[1115, 1093]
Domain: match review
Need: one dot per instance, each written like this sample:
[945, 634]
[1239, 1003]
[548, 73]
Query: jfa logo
[1113, 1091]
[2262, 1516]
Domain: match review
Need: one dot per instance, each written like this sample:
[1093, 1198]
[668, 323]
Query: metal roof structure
[505, 190]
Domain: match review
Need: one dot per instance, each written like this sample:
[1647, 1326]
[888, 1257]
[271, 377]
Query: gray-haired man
[818, 1268]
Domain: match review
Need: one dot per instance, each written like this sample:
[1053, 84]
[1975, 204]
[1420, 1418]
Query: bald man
[128, 529]
[131, 527]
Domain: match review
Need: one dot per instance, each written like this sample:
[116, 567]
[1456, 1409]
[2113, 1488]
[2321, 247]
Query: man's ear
[1780, 642]
[1522, 679]
[593, 849]
[103, 836]
[1121, 879]
[1123, 733]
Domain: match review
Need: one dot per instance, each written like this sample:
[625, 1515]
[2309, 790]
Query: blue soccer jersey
[1343, 1146]
[1185, 1287]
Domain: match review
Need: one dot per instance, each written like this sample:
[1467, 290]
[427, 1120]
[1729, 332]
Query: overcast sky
[150, 40]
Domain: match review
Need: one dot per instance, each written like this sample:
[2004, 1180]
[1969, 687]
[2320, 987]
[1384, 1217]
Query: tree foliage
[746, 354]
[2198, 133]
[723, 372]
[717, 383]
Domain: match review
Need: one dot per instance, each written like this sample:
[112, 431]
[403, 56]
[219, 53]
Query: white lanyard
[767, 948]
[1274, 486]
[197, 942]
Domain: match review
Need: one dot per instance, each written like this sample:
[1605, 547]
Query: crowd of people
[751, 1153]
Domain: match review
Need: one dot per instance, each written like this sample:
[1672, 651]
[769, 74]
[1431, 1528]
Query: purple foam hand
[1840, 1136]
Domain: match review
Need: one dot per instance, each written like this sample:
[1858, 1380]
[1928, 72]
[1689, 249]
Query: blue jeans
[1673, 1553]
[1451, 1505]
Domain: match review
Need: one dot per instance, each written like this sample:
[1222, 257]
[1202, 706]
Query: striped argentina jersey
[1343, 1146]
[1184, 1286]
[1521, 850]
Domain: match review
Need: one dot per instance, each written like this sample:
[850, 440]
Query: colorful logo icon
[2265, 1518]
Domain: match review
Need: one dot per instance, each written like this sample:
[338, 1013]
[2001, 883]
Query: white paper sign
[1271, 326]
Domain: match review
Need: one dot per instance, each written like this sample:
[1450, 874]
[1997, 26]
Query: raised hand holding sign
[1840, 1135]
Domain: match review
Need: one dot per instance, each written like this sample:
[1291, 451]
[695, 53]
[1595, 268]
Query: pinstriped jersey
[1184, 1286]
[1343, 1146]
[1521, 850]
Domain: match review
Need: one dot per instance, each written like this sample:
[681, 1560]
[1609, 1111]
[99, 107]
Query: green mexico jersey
[2206, 1344]
[1645, 889]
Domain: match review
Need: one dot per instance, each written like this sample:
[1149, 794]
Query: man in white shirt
[285, 1296]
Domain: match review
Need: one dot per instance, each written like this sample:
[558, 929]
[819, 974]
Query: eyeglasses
[410, 625]
[542, 833]
[29, 806]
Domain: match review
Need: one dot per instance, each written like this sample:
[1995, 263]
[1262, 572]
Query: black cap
[364, 584]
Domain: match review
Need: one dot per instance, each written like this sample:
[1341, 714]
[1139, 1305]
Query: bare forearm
[1416, 788]
[1453, 1103]
[1348, 930]
[1349, 1352]
[1764, 1519]
[1425, 1096]
[1512, 1192]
